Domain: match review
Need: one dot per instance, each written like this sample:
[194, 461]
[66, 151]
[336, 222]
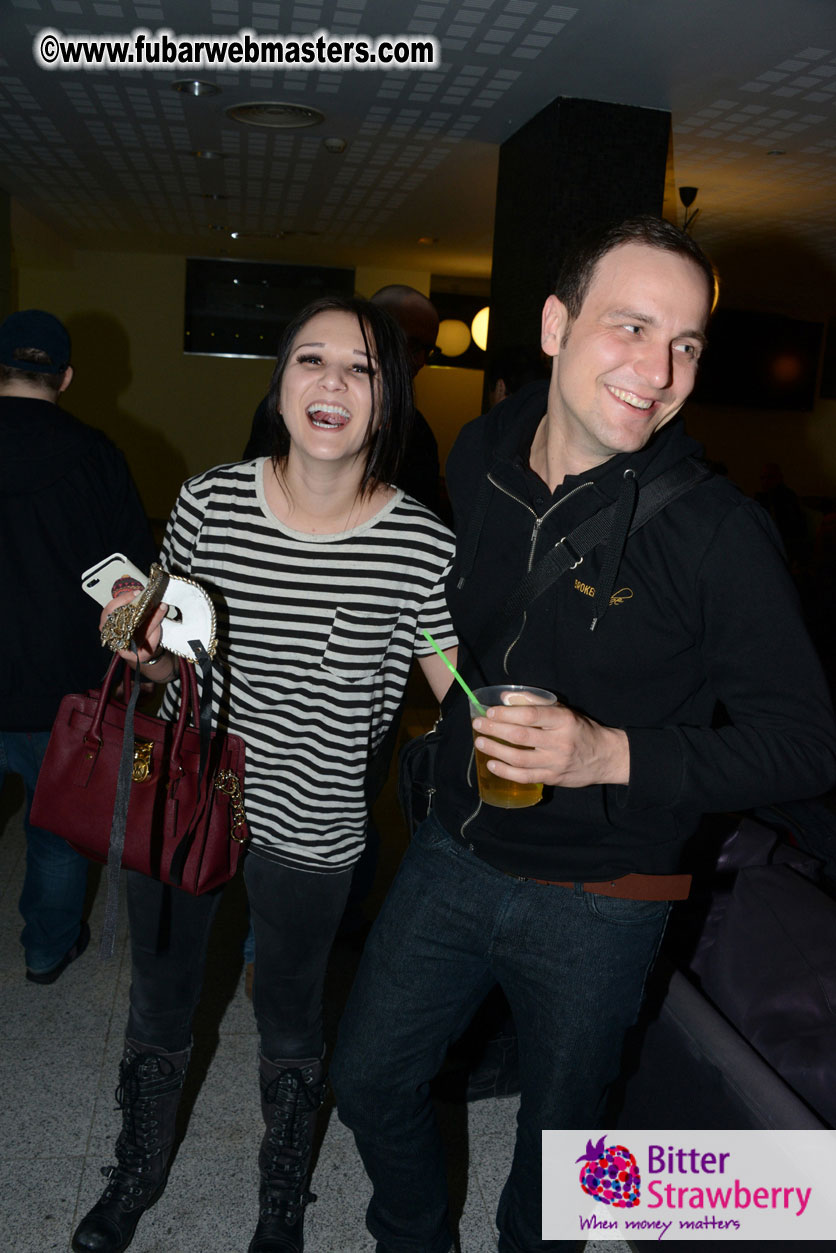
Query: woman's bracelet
[153, 661]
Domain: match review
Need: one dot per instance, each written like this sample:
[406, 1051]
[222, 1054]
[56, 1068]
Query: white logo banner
[689, 1185]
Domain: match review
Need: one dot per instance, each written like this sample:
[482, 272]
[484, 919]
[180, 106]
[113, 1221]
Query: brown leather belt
[634, 887]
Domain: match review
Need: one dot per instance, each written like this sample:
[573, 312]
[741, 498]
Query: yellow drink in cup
[493, 790]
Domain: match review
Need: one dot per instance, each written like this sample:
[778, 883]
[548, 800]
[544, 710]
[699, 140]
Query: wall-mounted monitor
[240, 308]
[760, 361]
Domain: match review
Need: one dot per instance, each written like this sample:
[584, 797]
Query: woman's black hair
[386, 347]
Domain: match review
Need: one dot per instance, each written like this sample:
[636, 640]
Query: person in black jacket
[67, 500]
[686, 684]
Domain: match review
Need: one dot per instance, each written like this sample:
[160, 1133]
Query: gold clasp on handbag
[228, 782]
[142, 760]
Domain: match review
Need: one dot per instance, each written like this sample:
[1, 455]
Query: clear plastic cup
[505, 793]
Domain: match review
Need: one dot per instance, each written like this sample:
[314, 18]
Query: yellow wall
[172, 414]
[448, 397]
[370, 278]
[803, 444]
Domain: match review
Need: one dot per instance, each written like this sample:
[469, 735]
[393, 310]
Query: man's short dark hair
[384, 340]
[49, 383]
[578, 266]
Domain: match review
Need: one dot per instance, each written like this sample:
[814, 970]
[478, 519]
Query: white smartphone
[98, 581]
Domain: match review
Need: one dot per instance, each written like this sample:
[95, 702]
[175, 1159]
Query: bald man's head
[416, 316]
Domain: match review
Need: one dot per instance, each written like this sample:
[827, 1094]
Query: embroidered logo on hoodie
[617, 598]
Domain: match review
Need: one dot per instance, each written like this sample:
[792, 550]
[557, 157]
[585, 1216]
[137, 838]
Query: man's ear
[66, 380]
[554, 323]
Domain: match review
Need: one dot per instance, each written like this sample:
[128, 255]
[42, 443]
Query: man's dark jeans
[573, 967]
[53, 893]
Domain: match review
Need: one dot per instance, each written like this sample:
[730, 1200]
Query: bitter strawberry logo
[610, 1174]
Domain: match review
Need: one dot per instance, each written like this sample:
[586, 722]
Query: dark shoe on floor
[49, 976]
[150, 1082]
[282, 1231]
[291, 1095]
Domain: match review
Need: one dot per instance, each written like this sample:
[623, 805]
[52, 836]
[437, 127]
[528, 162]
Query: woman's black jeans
[295, 914]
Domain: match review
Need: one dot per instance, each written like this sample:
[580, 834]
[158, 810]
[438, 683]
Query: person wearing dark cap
[67, 499]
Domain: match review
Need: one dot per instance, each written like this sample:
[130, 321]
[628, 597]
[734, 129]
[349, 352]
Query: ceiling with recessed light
[108, 158]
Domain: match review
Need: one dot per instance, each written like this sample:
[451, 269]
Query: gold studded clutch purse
[185, 816]
[191, 615]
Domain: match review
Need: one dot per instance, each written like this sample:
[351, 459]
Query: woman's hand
[148, 636]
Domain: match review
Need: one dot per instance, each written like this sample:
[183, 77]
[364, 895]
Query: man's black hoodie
[67, 500]
[698, 652]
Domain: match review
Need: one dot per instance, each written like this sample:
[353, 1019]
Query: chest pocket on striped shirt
[358, 642]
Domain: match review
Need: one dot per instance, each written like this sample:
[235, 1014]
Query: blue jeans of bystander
[573, 967]
[56, 875]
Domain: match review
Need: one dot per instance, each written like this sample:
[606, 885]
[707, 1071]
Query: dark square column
[576, 164]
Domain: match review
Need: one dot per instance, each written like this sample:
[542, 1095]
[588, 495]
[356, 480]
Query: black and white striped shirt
[316, 637]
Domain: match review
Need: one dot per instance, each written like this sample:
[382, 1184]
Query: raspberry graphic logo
[610, 1175]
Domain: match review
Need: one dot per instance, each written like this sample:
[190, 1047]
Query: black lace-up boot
[150, 1082]
[291, 1094]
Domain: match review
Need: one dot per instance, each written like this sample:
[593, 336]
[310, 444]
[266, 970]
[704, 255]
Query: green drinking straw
[476, 704]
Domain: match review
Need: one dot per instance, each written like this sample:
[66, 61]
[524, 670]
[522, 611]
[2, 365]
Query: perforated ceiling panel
[107, 156]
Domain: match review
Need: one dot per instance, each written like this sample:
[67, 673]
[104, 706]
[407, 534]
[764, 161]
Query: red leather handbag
[182, 787]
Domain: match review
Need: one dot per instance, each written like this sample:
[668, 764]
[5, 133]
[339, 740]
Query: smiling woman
[325, 576]
[346, 357]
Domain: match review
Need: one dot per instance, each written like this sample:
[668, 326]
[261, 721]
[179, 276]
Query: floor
[59, 1052]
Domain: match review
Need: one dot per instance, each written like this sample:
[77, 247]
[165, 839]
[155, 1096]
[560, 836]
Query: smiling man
[686, 684]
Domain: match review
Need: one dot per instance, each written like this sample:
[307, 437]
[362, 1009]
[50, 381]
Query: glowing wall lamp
[479, 328]
[453, 337]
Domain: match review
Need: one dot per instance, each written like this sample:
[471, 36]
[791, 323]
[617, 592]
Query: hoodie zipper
[535, 534]
[539, 519]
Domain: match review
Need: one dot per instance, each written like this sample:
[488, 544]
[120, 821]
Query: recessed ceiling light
[195, 87]
[278, 114]
[207, 154]
[334, 144]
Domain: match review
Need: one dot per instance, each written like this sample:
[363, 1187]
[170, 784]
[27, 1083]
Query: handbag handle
[188, 702]
[95, 732]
